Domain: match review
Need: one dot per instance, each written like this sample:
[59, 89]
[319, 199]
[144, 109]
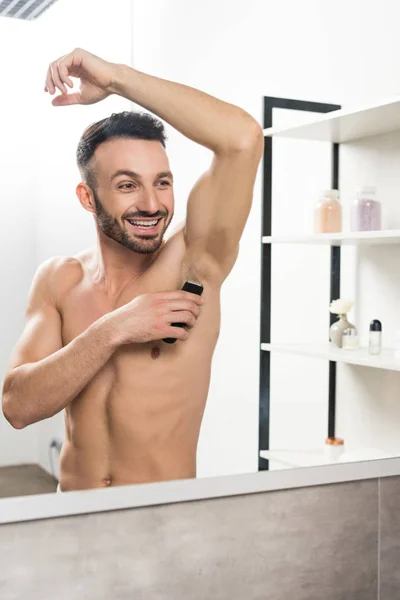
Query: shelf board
[316, 457]
[389, 236]
[296, 458]
[385, 360]
[346, 125]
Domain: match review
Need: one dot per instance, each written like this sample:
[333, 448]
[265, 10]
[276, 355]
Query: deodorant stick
[375, 337]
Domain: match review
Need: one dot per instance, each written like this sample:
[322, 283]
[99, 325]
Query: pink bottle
[328, 213]
[366, 210]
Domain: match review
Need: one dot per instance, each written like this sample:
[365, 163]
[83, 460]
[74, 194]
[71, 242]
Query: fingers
[174, 307]
[55, 75]
[177, 332]
[181, 295]
[66, 99]
[182, 316]
[58, 75]
[193, 297]
[49, 87]
[177, 305]
[63, 72]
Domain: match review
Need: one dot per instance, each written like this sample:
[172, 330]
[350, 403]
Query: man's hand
[149, 317]
[96, 78]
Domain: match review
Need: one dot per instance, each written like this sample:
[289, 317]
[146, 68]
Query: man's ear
[86, 197]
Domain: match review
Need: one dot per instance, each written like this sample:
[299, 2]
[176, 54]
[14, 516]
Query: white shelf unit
[366, 238]
[346, 125]
[385, 360]
[335, 127]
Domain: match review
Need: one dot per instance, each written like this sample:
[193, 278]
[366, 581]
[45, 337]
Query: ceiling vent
[24, 9]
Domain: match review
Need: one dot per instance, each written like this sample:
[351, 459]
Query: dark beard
[111, 228]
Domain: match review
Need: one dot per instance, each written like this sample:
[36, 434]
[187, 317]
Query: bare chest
[83, 305]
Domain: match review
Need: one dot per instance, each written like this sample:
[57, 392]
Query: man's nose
[148, 202]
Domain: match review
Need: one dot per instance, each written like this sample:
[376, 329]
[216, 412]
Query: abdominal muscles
[138, 420]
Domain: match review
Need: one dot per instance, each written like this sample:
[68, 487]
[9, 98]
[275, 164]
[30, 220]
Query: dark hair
[126, 124]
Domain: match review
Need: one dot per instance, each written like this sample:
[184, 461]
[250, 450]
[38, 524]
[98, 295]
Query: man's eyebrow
[134, 175]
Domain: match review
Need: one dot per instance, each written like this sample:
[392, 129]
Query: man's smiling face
[134, 195]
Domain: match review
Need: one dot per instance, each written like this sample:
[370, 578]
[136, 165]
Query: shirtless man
[93, 338]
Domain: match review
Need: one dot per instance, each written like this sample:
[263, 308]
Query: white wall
[18, 196]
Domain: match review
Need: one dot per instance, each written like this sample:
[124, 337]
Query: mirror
[143, 410]
[140, 417]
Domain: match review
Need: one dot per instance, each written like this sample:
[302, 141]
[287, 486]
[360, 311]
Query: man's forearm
[211, 122]
[36, 391]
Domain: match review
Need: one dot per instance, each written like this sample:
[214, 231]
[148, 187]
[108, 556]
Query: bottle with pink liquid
[366, 210]
[328, 213]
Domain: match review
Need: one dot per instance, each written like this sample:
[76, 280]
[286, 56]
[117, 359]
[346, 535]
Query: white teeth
[145, 223]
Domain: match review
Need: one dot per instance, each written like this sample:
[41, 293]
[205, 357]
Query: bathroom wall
[18, 193]
[334, 542]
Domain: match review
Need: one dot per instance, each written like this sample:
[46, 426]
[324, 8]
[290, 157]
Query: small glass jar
[328, 213]
[366, 210]
[350, 339]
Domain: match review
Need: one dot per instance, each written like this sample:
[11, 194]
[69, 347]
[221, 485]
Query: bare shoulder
[61, 268]
[61, 273]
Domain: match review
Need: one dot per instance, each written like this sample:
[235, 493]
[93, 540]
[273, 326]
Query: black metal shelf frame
[266, 252]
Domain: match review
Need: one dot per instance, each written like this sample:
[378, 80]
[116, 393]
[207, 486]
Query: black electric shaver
[194, 288]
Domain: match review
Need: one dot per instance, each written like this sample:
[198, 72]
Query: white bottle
[375, 337]
[334, 447]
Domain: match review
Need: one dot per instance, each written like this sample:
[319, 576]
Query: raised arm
[220, 202]
[42, 376]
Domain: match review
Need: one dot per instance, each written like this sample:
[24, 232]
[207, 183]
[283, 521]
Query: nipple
[155, 352]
